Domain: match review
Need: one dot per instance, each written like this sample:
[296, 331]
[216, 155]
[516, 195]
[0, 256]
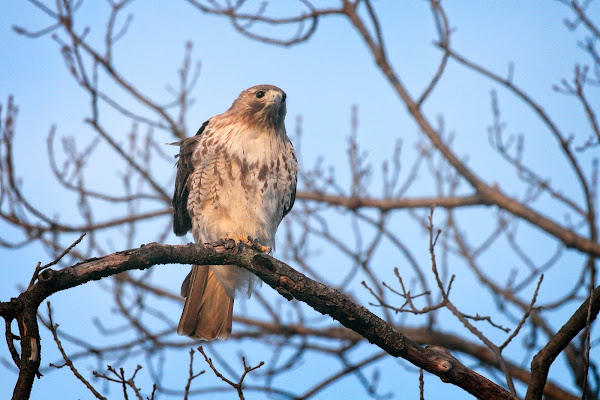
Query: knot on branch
[264, 261]
[444, 361]
[285, 284]
[46, 275]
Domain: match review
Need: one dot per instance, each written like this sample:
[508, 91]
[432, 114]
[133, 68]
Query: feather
[208, 310]
[181, 218]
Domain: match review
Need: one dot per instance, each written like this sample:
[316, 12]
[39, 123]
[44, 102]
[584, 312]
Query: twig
[586, 359]
[54, 330]
[236, 385]
[38, 269]
[120, 378]
[10, 338]
[191, 376]
[525, 315]
[421, 385]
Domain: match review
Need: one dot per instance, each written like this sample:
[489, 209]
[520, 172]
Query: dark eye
[260, 94]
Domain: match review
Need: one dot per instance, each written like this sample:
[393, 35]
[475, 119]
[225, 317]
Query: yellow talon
[265, 249]
[247, 241]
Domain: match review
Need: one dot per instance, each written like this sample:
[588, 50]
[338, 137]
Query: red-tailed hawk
[236, 177]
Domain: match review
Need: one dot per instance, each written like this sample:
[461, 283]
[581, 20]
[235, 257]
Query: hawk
[235, 178]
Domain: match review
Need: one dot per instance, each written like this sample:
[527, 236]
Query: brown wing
[287, 206]
[182, 222]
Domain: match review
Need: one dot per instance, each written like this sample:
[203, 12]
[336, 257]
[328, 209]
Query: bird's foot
[231, 241]
[258, 246]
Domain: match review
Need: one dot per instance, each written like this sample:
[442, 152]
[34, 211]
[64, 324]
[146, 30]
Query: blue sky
[323, 78]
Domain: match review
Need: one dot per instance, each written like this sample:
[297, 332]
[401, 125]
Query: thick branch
[287, 281]
[540, 365]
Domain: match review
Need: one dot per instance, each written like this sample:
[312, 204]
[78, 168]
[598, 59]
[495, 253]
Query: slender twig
[191, 376]
[238, 386]
[66, 251]
[54, 330]
[586, 359]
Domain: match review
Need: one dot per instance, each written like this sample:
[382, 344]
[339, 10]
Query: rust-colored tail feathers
[208, 309]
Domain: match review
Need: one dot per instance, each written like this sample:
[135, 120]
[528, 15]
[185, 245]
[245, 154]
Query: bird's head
[262, 106]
